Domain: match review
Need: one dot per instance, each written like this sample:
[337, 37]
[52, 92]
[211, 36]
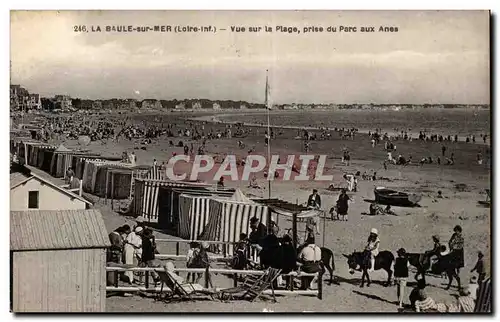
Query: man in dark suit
[314, 200]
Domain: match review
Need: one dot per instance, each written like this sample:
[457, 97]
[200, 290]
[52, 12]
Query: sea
[462, 122]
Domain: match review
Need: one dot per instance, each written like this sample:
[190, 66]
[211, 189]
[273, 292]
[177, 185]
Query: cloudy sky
[435, 57]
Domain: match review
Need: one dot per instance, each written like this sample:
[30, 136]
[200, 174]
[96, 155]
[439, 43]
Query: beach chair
[252, 287]
[483, 302]
[183, 291]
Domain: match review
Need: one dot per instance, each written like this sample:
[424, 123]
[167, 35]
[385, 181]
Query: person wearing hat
[133, 251]
[401, 274]
[259, 231]
[473, 287]
[314, 200]
[372, 247]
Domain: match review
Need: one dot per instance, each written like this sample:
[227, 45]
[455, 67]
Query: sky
[435, 57]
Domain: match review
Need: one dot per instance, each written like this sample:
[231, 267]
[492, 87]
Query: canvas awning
[240, 197]
[285, 208]
[62, 148]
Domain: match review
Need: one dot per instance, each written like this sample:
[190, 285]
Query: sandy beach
[462, 185]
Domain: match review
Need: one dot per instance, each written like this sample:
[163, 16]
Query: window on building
[33, 199]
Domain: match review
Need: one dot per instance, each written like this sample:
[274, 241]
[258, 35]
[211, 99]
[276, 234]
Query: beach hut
[58, 261]
[95, 173]
[29, 191]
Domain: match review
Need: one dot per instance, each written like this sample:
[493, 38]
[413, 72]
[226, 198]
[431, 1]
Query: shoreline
[219, 119]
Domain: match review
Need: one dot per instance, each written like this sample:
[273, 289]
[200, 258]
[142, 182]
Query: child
[401, 274]
[193, 247]
[479, 267]
[473, 287]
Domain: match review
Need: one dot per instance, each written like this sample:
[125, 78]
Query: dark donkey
[444, 264]
[360, 261]
[421, 261]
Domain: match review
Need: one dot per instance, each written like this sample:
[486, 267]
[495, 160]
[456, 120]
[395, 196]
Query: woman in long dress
[133, 251]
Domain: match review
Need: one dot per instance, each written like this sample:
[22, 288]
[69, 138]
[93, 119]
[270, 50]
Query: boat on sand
[391, 197]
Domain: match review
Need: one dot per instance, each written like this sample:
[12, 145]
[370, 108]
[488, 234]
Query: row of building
[58, 244]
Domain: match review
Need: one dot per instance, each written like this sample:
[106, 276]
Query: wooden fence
[207, 271]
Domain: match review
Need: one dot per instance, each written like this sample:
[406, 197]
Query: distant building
[196, 106]
[216, 106]
[180, 106]
[97, 105]
[19, 98]
[34, 102]
[58, 261]
[243, 107]
[63, 102]
[32, 192]
[151, 104]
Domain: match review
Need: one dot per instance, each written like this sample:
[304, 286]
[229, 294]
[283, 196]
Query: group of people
[134, 247]
[419, 300]
[277, 252]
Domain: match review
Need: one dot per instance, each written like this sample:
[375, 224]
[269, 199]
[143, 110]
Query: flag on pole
[269, 104]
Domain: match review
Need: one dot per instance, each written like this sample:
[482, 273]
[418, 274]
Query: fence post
[112, 191]
[235, 280]
[320, 285]
[224, 250]
[116, 278]
[292, 282]
[177, 248]
[206, 276]
[147, 279]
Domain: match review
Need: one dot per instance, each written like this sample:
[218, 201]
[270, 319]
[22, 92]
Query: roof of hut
[61, 229]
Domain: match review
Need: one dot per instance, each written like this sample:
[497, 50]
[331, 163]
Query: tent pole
[294, 230]
[324, 227]
[106, 189]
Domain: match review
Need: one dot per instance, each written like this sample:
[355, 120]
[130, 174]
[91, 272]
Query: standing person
[401, 274]
[193, 250]
[351, 181]
[312, 226]
[115, 252]
[443, 151]
[479, 267]
[155, 163]
[343, 205]
[456, 247]
[132, 251]
[289, 262]
[148, 252]
[372, 247]
[314, 200]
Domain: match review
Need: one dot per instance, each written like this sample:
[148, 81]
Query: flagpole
[269, 134]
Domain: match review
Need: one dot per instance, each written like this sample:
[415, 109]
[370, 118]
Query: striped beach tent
[147, 198]
[484, 296]
[232, 218]
[194, 211]
[156, 173]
